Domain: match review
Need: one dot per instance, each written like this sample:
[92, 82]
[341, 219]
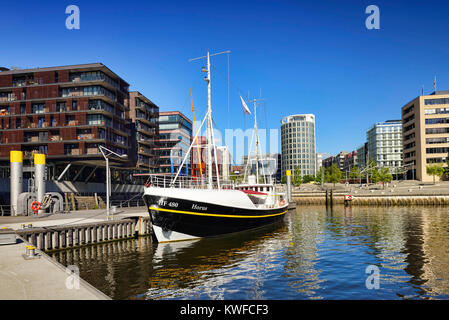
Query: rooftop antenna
[435, 84]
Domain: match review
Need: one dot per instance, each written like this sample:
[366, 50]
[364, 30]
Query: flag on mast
[245, 107]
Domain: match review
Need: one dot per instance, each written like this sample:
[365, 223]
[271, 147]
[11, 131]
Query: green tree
[373, 172]
[308, 178]
[385, 175]
[284, 179]
[435, 169]
[354, 173]
[297, 179]
[318, 175]
[446, 169]
[335, 174]
[325, 175]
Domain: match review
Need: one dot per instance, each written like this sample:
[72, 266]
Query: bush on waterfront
[435, 169]
[297, 179]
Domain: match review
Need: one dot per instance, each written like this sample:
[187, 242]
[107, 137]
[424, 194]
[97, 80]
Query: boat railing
[189, 182]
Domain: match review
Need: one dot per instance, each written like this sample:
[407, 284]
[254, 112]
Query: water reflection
[314, 254]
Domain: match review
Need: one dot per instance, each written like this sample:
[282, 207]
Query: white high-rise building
[298, 143]
[385, 144]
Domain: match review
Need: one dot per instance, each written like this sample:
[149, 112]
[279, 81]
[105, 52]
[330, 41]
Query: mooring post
[94, 234]
[70, 238]
[41, 244]
[140, 227]
[114, 231]
[55, 243]
[88, 234]
[288, 174]
[48, 239]
[332, 198]
[62, 239]
[83, 235]
[327, 201]
[16, 175]
[33, 239]
[39, 178]
[76, 237]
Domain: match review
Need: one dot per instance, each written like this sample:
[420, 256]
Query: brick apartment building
[67, 112]
[145, 116]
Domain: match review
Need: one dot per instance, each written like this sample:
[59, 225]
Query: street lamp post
[108, 174]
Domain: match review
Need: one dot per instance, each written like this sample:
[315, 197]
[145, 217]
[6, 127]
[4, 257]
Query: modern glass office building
[384, 141]
[298, 143]
[175, 135]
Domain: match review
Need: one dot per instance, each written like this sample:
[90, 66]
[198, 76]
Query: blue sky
[306, 56]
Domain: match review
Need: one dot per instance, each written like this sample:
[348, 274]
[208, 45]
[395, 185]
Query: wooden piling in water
[327, 202]
[331, 198]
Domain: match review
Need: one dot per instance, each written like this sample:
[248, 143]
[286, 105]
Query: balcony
[92, 151]
[85, 136]
[7, 96]
[55, 138]
[72, 152]
[72, 123]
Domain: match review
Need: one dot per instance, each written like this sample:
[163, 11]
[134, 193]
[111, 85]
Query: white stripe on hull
[224, 197]
[169, 235]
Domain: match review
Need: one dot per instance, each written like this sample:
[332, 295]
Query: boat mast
[257, 141]
[209, 125]
[209, 120]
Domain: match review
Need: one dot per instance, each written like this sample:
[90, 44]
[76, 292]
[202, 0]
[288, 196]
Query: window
[437, 120]
[435, 160]
[436, 101]
[437, 150]
[436, 140]
[38, 108]
[436, 111]
[98, 119]
[61, 107]
[436, 130]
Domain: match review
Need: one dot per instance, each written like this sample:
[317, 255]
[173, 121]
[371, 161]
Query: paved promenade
[43, 278]
[405, 188]
[39, 279]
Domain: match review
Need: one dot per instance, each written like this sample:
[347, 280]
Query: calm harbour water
[312, 254]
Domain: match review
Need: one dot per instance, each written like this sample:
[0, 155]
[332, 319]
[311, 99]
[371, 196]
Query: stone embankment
[401, 194]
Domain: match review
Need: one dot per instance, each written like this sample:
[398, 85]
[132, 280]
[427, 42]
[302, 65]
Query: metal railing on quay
[5, 210]
[189, 182]
[128, 203]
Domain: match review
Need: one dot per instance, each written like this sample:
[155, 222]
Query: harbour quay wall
[373, 199]
[71, 236]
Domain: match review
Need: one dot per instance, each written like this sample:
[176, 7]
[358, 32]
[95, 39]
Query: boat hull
[176, 219]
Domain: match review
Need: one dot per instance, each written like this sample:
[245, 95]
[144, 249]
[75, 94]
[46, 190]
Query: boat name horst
[197, 207]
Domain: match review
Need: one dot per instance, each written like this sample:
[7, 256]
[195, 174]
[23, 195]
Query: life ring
[282, 202]
[35, 206]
